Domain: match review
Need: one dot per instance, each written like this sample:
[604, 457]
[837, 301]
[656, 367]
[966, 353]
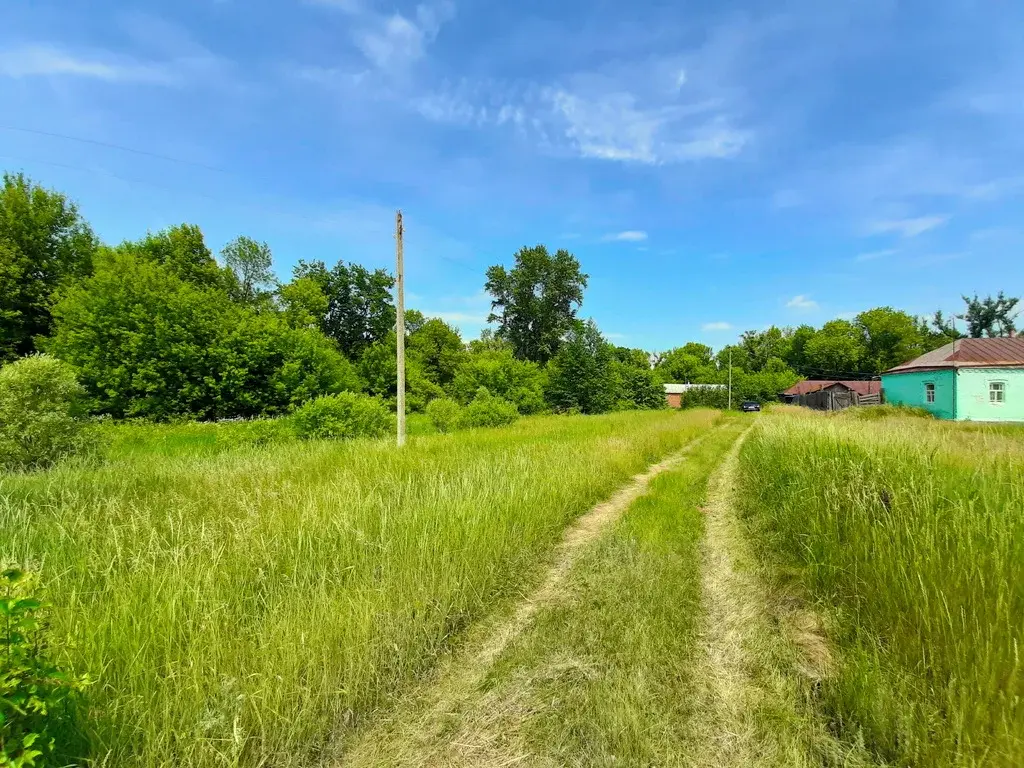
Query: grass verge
[237, 608]
[908, 537]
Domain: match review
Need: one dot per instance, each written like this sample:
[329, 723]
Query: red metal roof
[970, 353]
[860, 387]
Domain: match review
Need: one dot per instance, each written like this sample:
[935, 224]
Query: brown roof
[860, 387]
[969, 353]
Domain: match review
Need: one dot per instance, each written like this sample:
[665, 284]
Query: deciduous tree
[535, 302]
[580, 373]
[44, 242]
[360, 310]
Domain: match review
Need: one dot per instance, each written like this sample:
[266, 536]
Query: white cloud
[802, 302]
[872, 255]
[616, 336]
[392, 43]
[49, 61]
[910, 227]
[629, 236]
[716, 326]
[615, 126]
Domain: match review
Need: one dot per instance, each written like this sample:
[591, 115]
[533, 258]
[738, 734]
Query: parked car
[749, 406]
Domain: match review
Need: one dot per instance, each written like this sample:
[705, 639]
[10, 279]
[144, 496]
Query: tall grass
[238, 606]
[909, 536]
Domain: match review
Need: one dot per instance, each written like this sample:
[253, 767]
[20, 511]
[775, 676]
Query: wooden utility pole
[400, 329]
[730, 378]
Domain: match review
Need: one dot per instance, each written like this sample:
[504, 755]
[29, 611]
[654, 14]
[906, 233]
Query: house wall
[908, 389]
[972, 400]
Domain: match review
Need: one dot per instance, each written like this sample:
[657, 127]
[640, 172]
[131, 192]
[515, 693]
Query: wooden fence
[835, 400]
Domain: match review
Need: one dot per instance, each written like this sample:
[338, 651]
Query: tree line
[161, 328]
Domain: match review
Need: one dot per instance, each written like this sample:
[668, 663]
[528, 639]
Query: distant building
[674, 392]
[861, 388]
[967, 380]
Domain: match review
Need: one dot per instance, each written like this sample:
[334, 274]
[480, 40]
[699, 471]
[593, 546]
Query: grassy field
[240, 604]
[907, 535]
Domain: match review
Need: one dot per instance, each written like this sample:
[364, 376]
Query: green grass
[908, 535]
[240, 605]
[608, 672]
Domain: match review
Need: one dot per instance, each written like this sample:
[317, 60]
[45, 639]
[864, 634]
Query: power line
[110, 145]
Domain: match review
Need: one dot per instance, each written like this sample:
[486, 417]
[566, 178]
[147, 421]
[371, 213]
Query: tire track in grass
[760, 655]
[409, 736]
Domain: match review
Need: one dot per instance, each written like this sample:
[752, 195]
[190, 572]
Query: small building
[674, 392]
[801, 388]
[967, 380]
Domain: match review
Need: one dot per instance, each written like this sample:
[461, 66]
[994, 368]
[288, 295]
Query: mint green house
[967, 380]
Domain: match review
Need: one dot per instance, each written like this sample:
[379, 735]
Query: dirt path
[414, 734]
[759, 650]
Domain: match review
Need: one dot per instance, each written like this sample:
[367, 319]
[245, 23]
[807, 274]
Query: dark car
[749, 406]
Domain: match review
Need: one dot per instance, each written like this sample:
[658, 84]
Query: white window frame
[929, 393]
[1001, 389]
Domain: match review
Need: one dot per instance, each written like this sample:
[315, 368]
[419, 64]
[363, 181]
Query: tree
[891, 337]
[797, 356]
[761, 346]
[379, 368]
[360, 311]
[182, 250]
[44, 242]
[503, 374]
[732, 354]
[637, 358]
[990, 317]
[636, 387]
[439, 349]
[250, 262]
[302, 302]
[414, 320]
[149, 343]
[535, 302]
[689, 364]
[937, 331]
[835, 351]
[580, 373]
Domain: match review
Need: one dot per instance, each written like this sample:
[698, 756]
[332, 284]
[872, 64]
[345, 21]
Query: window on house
[996, 392]
[929, 393]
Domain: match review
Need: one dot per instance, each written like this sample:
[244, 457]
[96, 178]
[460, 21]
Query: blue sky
[715, 166]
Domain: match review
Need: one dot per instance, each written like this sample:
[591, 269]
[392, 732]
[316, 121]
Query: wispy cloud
[910, 227]
[50, 61]
[615, 126]
[629, 236]
[872, 255]
[393, 42]
[716, 326]
[802, 302]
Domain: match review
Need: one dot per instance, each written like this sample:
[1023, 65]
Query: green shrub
[708, 398]
[36, 697]
[486, 410]
[444, 414]
[343, 416]
[41, 412]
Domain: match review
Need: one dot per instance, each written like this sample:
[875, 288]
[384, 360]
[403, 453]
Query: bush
[486, 410]
[41, 410]
[444, 414]
[343, 416]
[36, 698]
[708, 398]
